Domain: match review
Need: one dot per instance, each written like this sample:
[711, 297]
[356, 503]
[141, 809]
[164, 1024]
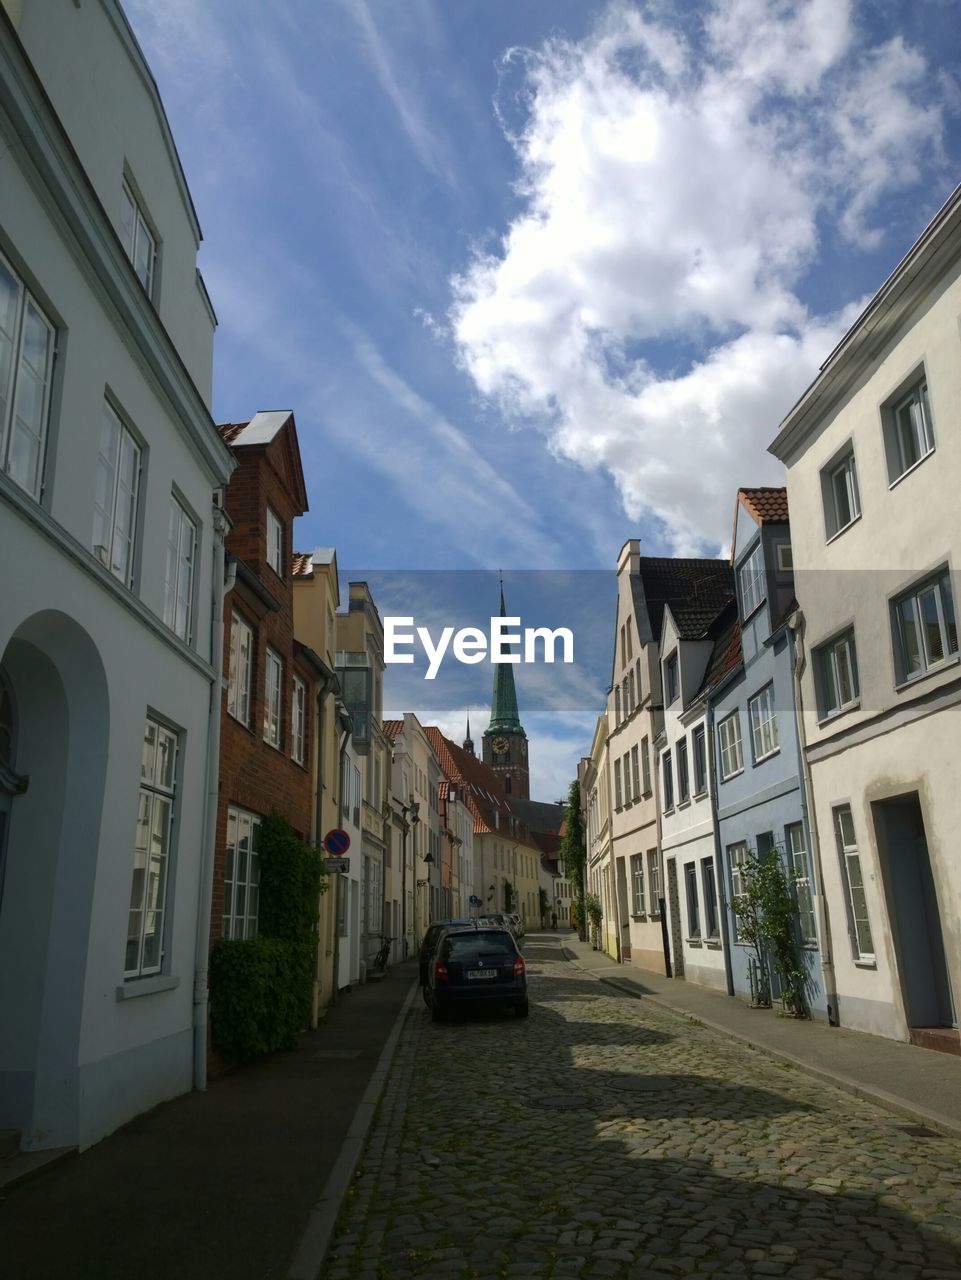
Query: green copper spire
[504, 717]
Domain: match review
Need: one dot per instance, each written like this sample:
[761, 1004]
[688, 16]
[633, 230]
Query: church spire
[504, 716]
[469, 741]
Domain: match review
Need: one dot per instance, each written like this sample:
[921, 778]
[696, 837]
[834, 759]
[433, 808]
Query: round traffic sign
[336, 842]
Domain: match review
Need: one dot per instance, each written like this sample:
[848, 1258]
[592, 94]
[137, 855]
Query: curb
[890, 1102]
[315, 1241]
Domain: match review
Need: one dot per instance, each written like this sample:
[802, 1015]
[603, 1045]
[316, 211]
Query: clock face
[500, 746]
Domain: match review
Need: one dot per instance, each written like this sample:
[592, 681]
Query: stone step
[24, 1165]
[943, 1039]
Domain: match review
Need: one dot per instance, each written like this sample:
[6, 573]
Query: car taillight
[440, 971]
[519, 967]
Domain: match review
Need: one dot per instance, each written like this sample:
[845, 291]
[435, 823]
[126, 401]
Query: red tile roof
[303, 563]
[766, 506]
[726, 654]
[393, 729]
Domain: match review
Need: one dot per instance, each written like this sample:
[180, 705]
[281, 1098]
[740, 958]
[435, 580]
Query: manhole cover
[558, 1102]
[643, 1084]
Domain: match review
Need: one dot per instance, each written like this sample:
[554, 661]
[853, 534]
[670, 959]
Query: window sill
[694, 942]
[844, 528]
[638, 918]
[945, 665]
[135, 987]
[914, 466]
[699, 795]
[684, 804]
[768, 756]
[729, 777]
[713, 944]
[829, 717]
[865, 964]
[668, 812]
[244, 724]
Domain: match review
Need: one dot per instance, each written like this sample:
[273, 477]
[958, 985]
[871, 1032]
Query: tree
[767, 920]
[574, 854]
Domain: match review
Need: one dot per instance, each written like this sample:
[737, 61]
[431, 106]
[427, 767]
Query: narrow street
[607, 1138]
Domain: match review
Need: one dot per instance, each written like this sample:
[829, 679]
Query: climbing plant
[767, 920]
[573, 854]
[595, 913]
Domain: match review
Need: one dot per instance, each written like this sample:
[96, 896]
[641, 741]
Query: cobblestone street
[607, 1138]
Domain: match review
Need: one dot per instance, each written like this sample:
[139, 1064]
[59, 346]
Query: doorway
[914, 912]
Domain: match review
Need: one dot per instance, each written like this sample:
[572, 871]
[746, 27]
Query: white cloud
[674, 195]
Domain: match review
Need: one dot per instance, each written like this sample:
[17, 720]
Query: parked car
[479, 966]
[429, 942]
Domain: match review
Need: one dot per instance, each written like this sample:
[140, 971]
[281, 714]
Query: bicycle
[383, 955]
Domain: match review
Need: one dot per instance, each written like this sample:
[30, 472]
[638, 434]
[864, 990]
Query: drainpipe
[346, 724]
[330, 685]
[222, 584]
[796, 624]
[718, 859]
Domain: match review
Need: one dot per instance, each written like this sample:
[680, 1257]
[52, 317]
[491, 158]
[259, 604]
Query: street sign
[337, 864]
[336, 841]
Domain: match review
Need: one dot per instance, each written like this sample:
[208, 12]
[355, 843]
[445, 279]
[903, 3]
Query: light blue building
[760, 798]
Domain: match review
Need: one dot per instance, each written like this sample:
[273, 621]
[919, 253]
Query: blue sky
[537, 277]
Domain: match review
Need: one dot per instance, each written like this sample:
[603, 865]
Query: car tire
[522, 1009]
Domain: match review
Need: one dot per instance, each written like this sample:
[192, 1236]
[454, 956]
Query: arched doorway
[54, 730]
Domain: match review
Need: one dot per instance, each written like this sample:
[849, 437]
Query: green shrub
[291, 879]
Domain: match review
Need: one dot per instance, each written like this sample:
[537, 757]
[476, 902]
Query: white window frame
[910, 415]
[618, 792]
[275, 542]
[785, 557]
[908, 614]
[763, 720]
[839, 479]
[636, 771]
[18, 367]
[730, 751]
[798, 855]
[737, 854]
[135, 232]
[667, 778]
[683, 771]
[691, 901]
[638, 901]
[273, 696]
[712, 919]
[751, 577]
[646, 765]
[240, 668]
[855, 896]
[152, 851]
[617, 705]
[242, 874]
[179, 574]
[699, 754]
[653, 882]
[837, 663]
[117, 493]
[298, 720]
[672, 678]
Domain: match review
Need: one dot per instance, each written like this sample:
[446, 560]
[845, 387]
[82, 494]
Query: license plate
[482, 973]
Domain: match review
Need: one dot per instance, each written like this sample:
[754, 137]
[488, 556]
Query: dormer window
[752, 582]
[137, 239]
[275, 543]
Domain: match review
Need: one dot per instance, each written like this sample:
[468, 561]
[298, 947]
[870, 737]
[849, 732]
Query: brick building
[266, 720]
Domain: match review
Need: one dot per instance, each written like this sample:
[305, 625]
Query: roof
[695, 624]
[766, 505]
[689, 585]
[393, 729]
[262, 430]
[726, 655]
[303, 564]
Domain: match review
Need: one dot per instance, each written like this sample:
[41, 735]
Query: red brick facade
[255, 775]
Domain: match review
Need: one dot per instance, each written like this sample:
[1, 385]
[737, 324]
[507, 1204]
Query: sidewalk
[224, 1183]
[921, 1084]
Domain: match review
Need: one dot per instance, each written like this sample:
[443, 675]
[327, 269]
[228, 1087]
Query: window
[752, 582]
[855, 899]
[645, 766]
[238, 675]
[637, 883]
[632, 691]
[618, 795]
[737, 857]
[839, 490]
[671, 681]
[837, 670]
[629, 796]
[654, 882]
[137, 239]
[636, 772]
[155, 815]
[115, 499]
[668, 782]
[699, 751]
[709, 885]
[683, 779]
[794, 836]
[26, 364]
[356, 796]
[926, 631]
[298, 721]
[242, 874]
[179, 577]
[275, 543]
[273, 684]
[729, 742]
[693, 913]
[763, 724]
[617, 704]
[907, 431]
[785, 558]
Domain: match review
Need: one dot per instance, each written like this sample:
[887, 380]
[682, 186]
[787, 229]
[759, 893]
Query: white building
[111, 580]
[873, 457]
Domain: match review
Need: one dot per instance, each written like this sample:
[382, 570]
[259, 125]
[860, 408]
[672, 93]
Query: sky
[538, 277]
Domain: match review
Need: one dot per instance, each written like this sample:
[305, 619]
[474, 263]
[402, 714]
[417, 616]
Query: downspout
[329, 685]
[718, 858]
[346, 725]
[796, 624]
[221, 586]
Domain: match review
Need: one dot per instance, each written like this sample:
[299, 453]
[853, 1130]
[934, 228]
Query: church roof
[504, 715]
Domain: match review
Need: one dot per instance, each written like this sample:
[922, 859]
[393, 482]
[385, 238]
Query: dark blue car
[476, 967]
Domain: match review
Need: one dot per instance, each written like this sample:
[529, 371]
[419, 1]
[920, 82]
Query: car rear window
[474, 946]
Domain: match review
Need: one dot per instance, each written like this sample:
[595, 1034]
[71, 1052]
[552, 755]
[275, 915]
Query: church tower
[505, 742]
